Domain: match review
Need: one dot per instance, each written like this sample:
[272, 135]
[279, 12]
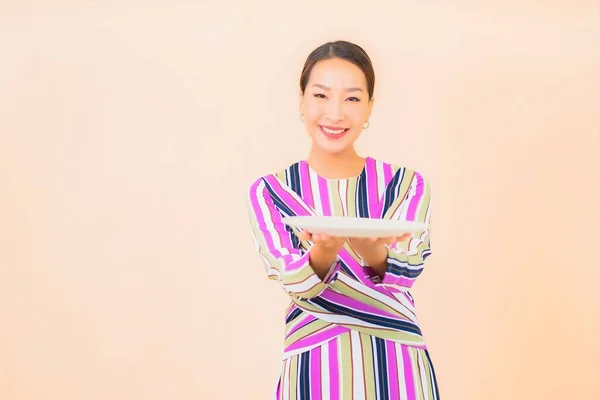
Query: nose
[334, 111]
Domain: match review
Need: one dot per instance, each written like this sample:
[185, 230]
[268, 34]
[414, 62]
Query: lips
[333, 132]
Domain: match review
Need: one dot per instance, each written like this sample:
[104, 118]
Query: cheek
[356, 113]
[313, 111]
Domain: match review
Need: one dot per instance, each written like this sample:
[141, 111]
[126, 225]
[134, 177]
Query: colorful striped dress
[352, 335]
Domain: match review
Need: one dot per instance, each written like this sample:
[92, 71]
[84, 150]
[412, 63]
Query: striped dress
[352, 335]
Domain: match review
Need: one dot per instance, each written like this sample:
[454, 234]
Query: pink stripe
[305, 184]
[292, 308]
[414, 202]
[324, 192]
[259, 215]
[289, 264]
[293, 261]
[408, 297]
[390, 279]
[373, 200]
[334, 374]
[315, 373]
[387, 173]
[408, 374]
[308, 320]
[317, 338]
[359, 271]
[355, 305]
[298, 207]
[393, 367]
[278, 392]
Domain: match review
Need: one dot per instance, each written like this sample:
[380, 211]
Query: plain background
[131, 130]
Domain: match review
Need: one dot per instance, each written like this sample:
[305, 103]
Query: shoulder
[401, 173]
[282, 175]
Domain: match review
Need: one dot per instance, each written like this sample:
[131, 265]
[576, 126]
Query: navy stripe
[433, 377]
[294, 179]
[345, 268]
[293, 315]
[304, 376]
[280, 204]
[402, 270]
[400, 325]
[391, 191]
[295, 240]
[381, 369]
[362, 198]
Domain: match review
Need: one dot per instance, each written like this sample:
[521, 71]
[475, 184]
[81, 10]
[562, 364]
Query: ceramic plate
[354, 227]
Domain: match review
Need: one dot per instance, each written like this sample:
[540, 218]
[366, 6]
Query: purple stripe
[317, 338]
[324, 193]
[268, 235]
[298, 207]
[414, 202]
[291, 261]
[307, 320]
[392, 364]
[360, 274]
[408, 374]
[373, 198]
[334, 373]
[306, 187]
[278, 392]
[259, 215]
[391, 279]
[387, 173]
[356, 305]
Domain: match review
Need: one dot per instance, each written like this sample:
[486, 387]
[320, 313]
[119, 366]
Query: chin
[334, 149]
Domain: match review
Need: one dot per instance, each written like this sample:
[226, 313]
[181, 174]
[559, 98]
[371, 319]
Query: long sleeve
[406, 259]
[283, 261]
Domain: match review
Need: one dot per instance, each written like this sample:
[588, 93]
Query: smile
[333, 132]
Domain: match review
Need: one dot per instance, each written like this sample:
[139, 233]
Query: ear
[300, 101]
[370, 107]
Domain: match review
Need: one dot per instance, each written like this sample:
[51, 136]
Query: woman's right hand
[324, 252]
[330, 243]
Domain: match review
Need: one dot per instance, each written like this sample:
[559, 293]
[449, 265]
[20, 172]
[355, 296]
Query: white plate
[354, 227]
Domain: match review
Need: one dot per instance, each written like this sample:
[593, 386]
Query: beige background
[130, 131]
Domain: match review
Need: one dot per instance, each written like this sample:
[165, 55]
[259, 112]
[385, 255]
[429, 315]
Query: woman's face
[335, 105]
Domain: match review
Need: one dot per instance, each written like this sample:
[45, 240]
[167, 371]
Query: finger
[304, 235]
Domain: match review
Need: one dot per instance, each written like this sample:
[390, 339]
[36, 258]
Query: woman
[351, 328]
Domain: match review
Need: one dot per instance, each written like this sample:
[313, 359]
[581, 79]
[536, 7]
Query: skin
[336, 96]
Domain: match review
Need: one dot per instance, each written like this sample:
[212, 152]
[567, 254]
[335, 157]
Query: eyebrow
[352, 89]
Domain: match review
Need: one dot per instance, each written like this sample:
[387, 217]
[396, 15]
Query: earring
[366, 127]
[302, 117]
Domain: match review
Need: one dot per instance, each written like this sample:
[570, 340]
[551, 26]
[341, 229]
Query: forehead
[337, 74]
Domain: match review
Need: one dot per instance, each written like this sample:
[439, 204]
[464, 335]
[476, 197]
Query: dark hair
[345, 51]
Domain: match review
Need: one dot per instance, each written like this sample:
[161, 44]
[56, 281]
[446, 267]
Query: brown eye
[353, 99]
[320, 95]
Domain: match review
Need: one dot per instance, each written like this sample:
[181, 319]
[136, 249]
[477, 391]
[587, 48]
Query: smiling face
[335, 105]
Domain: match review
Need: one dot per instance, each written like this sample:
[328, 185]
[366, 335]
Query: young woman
[351, 328]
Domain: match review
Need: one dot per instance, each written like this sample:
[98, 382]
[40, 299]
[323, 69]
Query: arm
[302, 274]
[405, 259]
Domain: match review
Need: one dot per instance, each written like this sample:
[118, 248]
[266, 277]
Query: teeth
[337, 132]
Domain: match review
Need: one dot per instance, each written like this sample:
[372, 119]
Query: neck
[335, 166]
